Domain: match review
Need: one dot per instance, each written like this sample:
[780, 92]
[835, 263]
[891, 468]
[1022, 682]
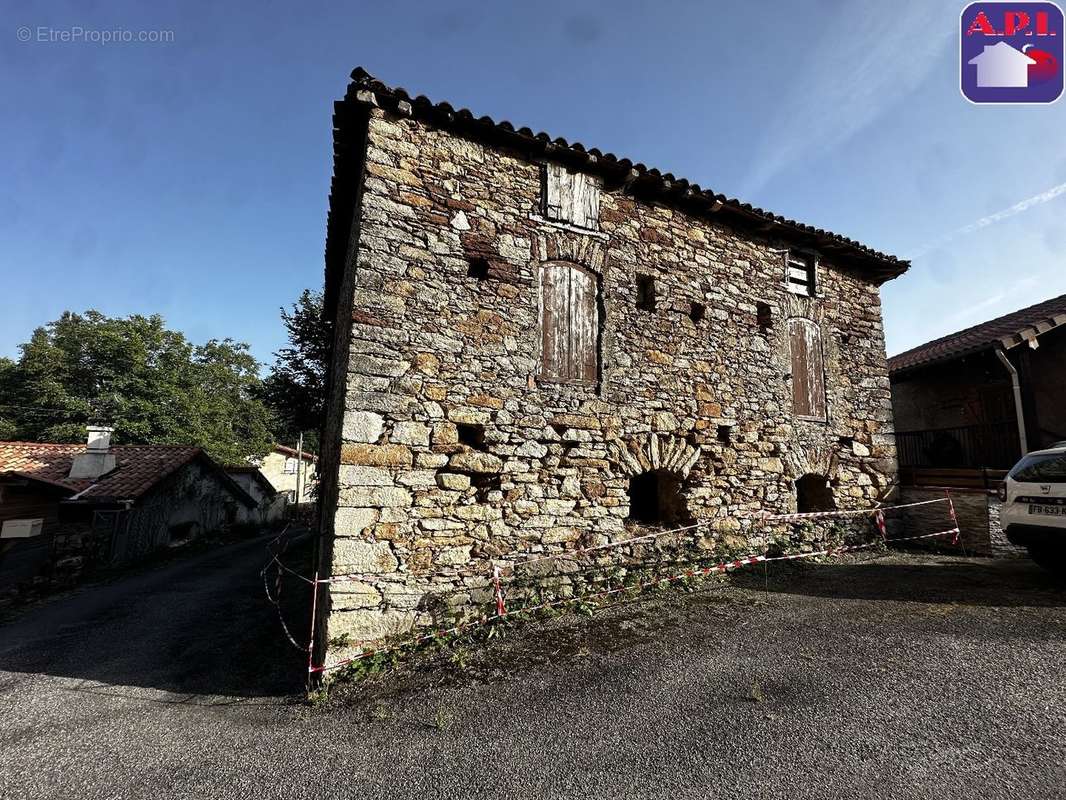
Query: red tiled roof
[137, 469]
[288, 451]
[1008, 331]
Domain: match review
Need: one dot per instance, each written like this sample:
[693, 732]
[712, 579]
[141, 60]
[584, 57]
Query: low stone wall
[978, 515]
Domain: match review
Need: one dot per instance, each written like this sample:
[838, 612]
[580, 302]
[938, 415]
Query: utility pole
[299, 465]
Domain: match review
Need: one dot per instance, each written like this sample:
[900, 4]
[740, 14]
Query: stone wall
[971, 508]
[452, 452]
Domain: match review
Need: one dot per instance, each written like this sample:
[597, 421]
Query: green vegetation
[296, 386]
[156, 387]
[151, 383]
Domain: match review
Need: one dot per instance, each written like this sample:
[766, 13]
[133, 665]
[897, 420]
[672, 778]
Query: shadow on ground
[196, 628]
[920, 578]
[884, 586]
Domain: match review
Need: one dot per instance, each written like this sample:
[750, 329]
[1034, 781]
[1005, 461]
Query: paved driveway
[901, 677]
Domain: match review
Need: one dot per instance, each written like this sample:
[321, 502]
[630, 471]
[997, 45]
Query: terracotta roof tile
[1009, 330]
[137, 468]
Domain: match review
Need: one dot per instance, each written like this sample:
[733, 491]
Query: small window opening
[813, 493]
[764, 317]
[655, 499]
[645, 292]
[472, 435]
[477, 268]
[846, 441]
[725, 434]
[484, 485]
[801, 273]
[696, 312]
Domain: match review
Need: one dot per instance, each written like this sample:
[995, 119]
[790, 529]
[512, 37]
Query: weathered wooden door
[808, 372]
[569, 319]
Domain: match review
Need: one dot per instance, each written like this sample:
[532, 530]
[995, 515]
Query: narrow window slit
[645, 292]
[764, 317]
[697, 312]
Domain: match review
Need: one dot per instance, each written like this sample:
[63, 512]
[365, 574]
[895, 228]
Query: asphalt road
[896, 677]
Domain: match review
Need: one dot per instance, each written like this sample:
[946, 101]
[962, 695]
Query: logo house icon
[1001, 66]
[1011, 52]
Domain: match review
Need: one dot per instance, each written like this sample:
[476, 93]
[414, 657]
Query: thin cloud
[846, 81]
[991, 219]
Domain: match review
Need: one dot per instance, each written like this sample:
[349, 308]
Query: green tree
[150, 383]
[295, 389]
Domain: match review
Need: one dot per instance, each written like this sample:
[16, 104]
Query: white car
[1034, 506]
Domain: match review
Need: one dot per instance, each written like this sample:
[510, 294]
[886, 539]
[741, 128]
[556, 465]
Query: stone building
[65, 508]
[541, 346]
[291, 472]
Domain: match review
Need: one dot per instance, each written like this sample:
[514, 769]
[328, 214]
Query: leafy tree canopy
[295, 389]
[150, 383]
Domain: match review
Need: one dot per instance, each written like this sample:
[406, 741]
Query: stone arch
[818, 460]
[652, 451]
[585, 250]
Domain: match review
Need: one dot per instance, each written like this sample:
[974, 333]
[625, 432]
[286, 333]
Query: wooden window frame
[808, 323]
[801, 261]
[569, 380]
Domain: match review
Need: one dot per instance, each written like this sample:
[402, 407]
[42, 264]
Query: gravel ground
[901, 676]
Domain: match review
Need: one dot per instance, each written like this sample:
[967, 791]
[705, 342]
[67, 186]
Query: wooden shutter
[808, 373]
[569, 316]
[554, 321]
[571, 197]
[584, 326]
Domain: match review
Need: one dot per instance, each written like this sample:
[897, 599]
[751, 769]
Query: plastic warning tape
[857, 512]
[693, 572]
[502, 561]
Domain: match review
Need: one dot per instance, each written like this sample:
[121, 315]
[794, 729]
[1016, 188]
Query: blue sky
[190, 178]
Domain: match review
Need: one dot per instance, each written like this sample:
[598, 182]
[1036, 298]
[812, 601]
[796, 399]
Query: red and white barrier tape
[275, 601]
[725, 566]
[502, 560]
[879, 518]
[850, 513]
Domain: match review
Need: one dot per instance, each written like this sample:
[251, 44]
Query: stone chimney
[97, 459]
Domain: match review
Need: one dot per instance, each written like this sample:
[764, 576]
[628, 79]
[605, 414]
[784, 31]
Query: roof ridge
[993, 321]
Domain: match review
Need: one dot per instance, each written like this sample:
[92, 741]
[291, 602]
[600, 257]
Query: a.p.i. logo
[1011, 52]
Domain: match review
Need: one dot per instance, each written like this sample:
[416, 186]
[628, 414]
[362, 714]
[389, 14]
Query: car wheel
[1052, 559]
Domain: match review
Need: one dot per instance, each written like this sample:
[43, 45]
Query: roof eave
[365, 92]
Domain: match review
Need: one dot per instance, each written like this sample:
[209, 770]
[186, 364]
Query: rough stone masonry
[540, 347]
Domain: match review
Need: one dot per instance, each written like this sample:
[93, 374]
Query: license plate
[1049, 511]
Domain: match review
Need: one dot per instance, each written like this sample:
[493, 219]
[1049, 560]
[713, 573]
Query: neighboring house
[971, 399]
[288, 470]
[1002, 66]
[540, 345]
[105, 505]
[968, 405]
[270, 504]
